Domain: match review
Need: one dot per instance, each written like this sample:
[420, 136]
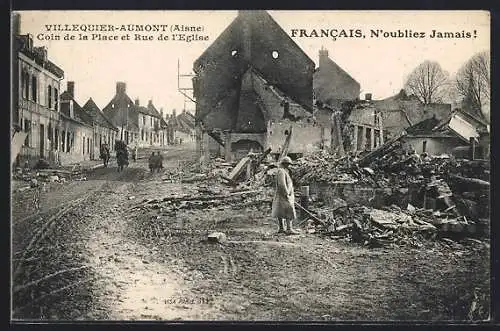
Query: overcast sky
[150, 67]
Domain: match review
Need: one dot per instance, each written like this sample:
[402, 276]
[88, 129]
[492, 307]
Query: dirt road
[109, 258]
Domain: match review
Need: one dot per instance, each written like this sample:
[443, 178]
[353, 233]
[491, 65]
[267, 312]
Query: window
[49, 94]
[83, 145]
[275, 54]
[63, 140]
[151, 121]
[27, 128]
[424, 146]
[144, 120]
[26, 85]
[34, 85]
[89, 142]
[56, 99]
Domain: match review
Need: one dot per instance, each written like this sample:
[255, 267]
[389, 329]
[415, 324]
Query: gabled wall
[249, 41]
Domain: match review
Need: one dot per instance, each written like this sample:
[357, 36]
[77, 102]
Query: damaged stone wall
[434, 145]
[307, 136]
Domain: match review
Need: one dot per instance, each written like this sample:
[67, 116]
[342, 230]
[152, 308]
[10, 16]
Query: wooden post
[355, 138]
[372, 139]
[472, 148]
[227, 146]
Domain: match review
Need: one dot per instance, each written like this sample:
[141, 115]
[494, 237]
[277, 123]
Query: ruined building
[252, 84]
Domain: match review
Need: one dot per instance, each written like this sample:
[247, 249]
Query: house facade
[35, 103]
[152, 126]
[77, 130]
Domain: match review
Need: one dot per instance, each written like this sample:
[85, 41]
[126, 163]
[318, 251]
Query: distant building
[35, 101]
[181, 127]
[152, 126]
[104, 131]
[122, 113]
[331, 83]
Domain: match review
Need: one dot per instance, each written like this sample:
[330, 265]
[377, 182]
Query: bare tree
[428, 82]
[473, 81]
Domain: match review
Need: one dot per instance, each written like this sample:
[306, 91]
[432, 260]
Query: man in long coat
[284, 199]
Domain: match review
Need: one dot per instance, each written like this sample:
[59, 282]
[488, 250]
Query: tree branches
[428, 82]
[473, 81]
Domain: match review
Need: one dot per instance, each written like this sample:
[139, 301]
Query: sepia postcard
[250, 165]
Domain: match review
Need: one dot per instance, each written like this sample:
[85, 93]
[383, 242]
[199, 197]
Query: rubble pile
[394, 168]
[391, 225]
[33, 178]
[207, 198]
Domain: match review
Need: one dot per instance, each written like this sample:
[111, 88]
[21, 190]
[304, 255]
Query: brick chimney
[16, 24]
[368, 96]
[161, 112]
[70, 88]
[323, 56]
[150, 103]
[121, 88]
[136, 102]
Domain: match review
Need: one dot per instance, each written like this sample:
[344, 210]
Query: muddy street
[106, 249]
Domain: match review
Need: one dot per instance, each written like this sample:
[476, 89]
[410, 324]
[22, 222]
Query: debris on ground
[33, 177]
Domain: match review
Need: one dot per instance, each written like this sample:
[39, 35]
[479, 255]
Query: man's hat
[286, 160]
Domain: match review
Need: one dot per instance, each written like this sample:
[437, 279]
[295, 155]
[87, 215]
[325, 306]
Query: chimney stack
[150, 103]
[137, 102]
[174, 113]
[121, 88]
[368, 96]
[323, 56]
[161, 112]
[16, 24]
[70, 88]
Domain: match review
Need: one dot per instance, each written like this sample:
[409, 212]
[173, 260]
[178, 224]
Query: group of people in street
[155, 162]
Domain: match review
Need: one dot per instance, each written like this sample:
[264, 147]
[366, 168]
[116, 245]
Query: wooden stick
[310, 214]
